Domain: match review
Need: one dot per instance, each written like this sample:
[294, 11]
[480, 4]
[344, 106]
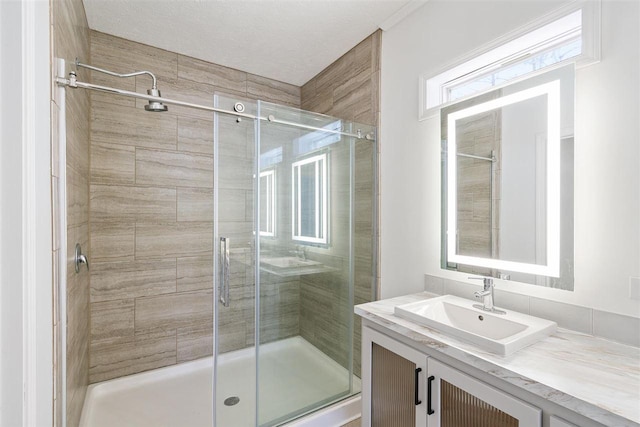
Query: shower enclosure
[293, 246]
[284, 239]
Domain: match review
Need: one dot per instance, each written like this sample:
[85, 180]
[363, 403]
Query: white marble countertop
[591, 376]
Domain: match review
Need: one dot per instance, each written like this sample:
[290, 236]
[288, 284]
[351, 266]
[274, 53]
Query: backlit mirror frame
[552, 266]
[319, 236]
[268, 199]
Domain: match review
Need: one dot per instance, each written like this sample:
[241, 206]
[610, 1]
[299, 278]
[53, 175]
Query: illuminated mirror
[268, 203]
[309, 206]
[508, 181]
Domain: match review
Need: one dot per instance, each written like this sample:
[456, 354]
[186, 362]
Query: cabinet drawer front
[458, 399]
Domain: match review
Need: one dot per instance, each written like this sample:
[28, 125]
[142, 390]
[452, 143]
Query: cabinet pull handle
[429, 408]
[416, 383]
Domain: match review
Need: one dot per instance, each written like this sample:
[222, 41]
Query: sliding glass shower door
[234, 268]
[285, 233]
[306, 263]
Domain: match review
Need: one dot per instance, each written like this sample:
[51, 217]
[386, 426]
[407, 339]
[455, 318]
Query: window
[480, 83]
[570, 34]
[309, 195]
[314, 141]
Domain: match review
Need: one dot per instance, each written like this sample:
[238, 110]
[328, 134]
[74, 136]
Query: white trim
[26, 221]
[401, 14]
[335, 415]
[29, 146]
[29, 285]
[2, 198]
[38, 246]
[62, 233]
[11, 219]
[508, 47]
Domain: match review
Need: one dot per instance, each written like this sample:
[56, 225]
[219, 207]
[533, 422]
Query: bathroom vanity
[413, 374]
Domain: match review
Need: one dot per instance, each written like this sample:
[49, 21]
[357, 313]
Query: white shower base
[294, 374]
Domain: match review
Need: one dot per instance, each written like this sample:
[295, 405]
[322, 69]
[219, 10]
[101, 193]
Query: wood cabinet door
[394, 382]
[458, 400]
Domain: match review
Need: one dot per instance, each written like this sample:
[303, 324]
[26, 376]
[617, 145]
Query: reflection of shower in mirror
[505, 184]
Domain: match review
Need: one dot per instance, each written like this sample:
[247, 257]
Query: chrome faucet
[487, 296]
[300, 252]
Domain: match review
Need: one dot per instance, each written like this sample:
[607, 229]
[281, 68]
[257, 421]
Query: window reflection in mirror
[508, 182]
[270, 164]
[268, 203]
[309, 196]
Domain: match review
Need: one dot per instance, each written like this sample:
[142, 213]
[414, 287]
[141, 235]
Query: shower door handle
[223, 287]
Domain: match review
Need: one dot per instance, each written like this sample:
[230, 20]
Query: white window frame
[321, 231]
[513, 45]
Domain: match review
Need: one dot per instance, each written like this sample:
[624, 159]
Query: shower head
[155, 106]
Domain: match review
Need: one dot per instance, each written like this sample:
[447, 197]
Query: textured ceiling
[286, 40]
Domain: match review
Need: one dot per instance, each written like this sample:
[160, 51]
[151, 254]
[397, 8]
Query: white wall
[11, 364]
[520, 124]
[26, 372]
[607, 149]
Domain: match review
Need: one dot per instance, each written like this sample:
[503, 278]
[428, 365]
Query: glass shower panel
[287, 189]
[234, 272]
[306, 274]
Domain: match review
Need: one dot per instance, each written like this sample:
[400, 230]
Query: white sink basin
[502, 334]
[288, 262]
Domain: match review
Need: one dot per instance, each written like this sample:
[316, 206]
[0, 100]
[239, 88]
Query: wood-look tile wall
[151, 203]
[70, 39]
[349, 88]
[479, 201]
[478, 135]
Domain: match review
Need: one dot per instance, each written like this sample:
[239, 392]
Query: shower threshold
[295, 378]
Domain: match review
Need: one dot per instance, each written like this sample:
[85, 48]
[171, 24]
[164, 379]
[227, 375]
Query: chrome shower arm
[111, 73]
